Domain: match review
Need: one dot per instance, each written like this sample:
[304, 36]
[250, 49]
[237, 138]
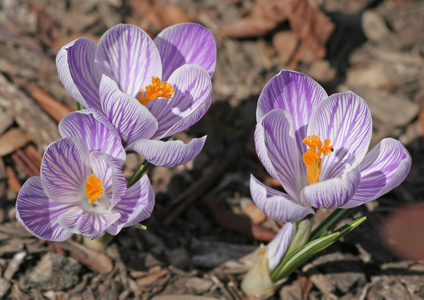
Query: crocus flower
[279, 244]
[149, 89]
[82, 188]
[316, 146]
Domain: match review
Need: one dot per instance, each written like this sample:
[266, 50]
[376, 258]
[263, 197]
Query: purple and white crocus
[82, 188]
[297, 121]
[149, 89]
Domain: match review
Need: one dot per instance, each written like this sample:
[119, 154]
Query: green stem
[137, 174]
[79, 106]
[329, 223]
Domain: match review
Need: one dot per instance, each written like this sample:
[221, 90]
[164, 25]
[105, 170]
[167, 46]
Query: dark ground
[204, 224]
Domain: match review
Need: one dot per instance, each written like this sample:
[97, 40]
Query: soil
[201, 237]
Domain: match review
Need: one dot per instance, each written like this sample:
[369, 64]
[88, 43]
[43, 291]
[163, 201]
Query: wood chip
[182, 297]
[94, 260]
[12, 180]
[151, 278]
[12, 140]
[30, 117]
[384, 106]
[285, 43]
[254, 213]
[54, 108]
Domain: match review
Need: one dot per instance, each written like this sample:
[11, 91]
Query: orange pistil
[312, 156]
[93, 188]
[155, 90]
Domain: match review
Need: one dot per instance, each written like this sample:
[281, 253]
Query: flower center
[312, 156]
[155, 90]
[93, 188]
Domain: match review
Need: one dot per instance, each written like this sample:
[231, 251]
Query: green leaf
[329, 223]
[312, 248]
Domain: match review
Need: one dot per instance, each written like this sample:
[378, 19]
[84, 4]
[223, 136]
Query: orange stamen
[155, 90]
[93, 188]
[312, 156]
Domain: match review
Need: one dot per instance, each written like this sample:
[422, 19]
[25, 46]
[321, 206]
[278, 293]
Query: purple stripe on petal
[89, 224]
[75, 65]
[128, 55]
[191, 100]
[277, 150]
[278, 246]
[64, 169]
[93, 126]
[277, 205]
[382, 169]
[132, 119]
[332, 193]
[296, 93]
[39, 214]
[168, 154]
[346, 120]
[136, 206]
[109, 170]
[186, 43]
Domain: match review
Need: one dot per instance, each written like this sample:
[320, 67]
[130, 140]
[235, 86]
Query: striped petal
[38, 214]
[332, 193]
[136, 206]
[168, 154]
[276, 148]
[186, 43]
[76, 69]
[345, 119]
[191, 100]
[109, 171]
[89, 224]
[95, 128]
[382, 169]
[64, 169]
[132, 119]
[128, 55]
[278, 246]
[277, 205]
[296, 93]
